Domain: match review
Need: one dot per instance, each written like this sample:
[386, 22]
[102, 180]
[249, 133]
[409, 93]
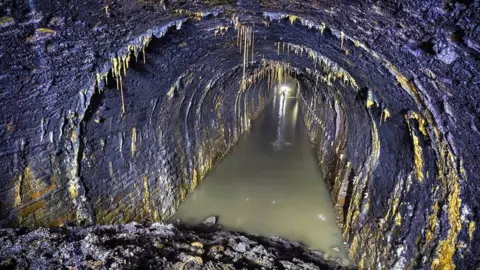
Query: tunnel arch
[383, 138]
[351, 215]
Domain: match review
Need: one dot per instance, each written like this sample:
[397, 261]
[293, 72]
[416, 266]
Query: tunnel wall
[103, 121]
[169, 138]
[149, 132]
[391, 175]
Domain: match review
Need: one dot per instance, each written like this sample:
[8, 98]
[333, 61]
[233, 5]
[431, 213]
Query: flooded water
[270, 184]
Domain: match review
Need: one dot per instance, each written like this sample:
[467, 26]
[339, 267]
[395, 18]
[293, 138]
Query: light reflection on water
[270, 185]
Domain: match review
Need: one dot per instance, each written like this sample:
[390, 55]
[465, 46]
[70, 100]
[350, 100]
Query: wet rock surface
[113, 113]
[159, 246]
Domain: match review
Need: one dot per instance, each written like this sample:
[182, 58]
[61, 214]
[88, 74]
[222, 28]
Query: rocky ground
[160, 246]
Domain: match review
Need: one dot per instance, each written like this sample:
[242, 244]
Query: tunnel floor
[270, 184]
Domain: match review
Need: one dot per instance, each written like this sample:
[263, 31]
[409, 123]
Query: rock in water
[210, 221]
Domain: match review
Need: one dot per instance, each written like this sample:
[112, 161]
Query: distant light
[285, 88]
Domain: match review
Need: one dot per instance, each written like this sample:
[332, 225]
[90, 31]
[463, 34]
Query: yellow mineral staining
[182, 193]
[24, 182]
[221, 30]
[29, 209]
[171, 92]
[6, 21]
[404, 82]
[370, 100]
[292, 18]
[352, 211]
[449, 169]
[446, 248]
[197, 244]
[432, 223]
[369, 103]
[418, 153]
[73, 190]
[46, 190]
[421, 122]
[27, 190]
[99, 78]
[47, 31]
[354, 246]
[471, 229]
[195, 178]
[361, 263]
[322, 28]
[398, 219]
[386, 114]
[417, 149]
[394, 200]
[73, 136]
[332, 70]
[198, 15]
[359, 182]
[133, 144]
[146, 196]
[445, 253]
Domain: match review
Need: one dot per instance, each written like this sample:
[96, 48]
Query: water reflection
[270, 184]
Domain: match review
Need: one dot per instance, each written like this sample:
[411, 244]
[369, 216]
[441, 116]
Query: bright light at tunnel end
[285, 89]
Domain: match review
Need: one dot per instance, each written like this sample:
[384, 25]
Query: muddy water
[270, 185]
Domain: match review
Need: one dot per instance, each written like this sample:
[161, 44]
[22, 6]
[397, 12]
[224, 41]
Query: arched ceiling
[392, 87]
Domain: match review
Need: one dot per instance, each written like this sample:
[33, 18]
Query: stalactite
[118, 65]
[253, 41]
[342, 37]
[245, 41]
[331, 69]
[133, 144]
[417, 151]
[386, 114]
[322, 28]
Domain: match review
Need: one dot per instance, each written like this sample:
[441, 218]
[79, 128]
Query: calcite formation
[113, 112]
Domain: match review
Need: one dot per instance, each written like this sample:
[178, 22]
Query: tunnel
[114, 111]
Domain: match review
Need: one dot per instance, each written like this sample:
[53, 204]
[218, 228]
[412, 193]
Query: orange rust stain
[59, 221]
[32, 208]
[37, 194]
